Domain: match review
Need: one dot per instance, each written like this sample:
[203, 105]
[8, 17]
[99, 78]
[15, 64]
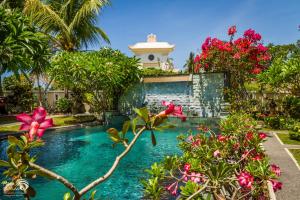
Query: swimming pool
[81, 155]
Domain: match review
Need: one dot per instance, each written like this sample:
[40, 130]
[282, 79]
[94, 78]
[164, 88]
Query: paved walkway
[290, 176]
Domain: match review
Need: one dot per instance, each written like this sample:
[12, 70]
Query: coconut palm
[70, 23]
[189, 64]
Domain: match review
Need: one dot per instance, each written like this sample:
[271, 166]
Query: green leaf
[4, 163]
[125, 128]
[67, 196]
[114, 135]
[134, 122]
[153, 139]
[24, 139]
[143, 113]
[92, 197]
[13, 140]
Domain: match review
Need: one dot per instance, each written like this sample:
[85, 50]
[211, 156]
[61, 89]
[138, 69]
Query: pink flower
[173, 188]
[276, 170]
[36, 124]
[173, 110]
[195, 177]
[262, 136]
[232, 30]
[196, 143]
[276, 185]
[245, 179]
[257, 157]
[216, 153]
[187, 167]
[222, 138]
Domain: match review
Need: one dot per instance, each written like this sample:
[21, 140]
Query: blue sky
[186, 23]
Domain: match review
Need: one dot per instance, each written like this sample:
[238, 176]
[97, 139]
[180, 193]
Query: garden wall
[200, 95]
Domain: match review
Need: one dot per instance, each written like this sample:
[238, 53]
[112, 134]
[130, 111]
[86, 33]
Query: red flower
[276, 170]
[276, 185]
[232, 30]
[196, 143]
[256, 70]
[222, 138]
[262, 136]
[256, 37]
[245, 179]
[187, 167]
[36, 124]
[237, 56]
[249, 135]
[173, 110]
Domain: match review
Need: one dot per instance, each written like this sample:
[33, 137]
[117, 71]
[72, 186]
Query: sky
[186, 23]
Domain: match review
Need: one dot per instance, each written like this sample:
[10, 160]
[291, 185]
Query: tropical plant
[283, 75]
[104, 74]
[19, 94]
[71, 24]
[19, 43]
[230, 165]
[63, 105]
[21, 163]
[190, 63]
[240, 59]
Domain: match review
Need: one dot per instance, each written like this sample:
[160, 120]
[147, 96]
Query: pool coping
[4, 136]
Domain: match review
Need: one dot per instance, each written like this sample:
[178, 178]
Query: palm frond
[45, 17]
[88, 9]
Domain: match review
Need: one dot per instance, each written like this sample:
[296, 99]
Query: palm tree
[70, 23]
[189, 63]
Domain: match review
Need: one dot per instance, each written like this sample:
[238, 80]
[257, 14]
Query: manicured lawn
[58, 121]
[296, 154]
[284, 137]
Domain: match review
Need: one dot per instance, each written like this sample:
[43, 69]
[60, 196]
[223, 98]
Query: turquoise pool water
[81, 155]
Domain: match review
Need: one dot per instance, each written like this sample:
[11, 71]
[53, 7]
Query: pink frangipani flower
[216, 153]
[173, 110]
[275, 169]
[245, 179]
[35, 124]
[195, 177]
[276, 185]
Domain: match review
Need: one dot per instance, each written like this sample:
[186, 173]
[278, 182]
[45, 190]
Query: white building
[152, 53]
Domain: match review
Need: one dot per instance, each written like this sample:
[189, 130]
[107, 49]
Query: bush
[292, 106]
[294, 133]
[232, 162]
[63, 105]
[20, 97]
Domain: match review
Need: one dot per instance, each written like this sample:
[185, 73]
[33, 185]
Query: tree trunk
[1, 89]
[40, 90]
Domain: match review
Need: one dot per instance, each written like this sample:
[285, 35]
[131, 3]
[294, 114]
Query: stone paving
[290, 172]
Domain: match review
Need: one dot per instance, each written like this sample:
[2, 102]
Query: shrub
[292, 106]
[231, 165]
[294, 133]
[63, 105]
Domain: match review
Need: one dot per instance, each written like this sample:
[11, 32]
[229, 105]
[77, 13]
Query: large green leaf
[143, 113]
[125, 128]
